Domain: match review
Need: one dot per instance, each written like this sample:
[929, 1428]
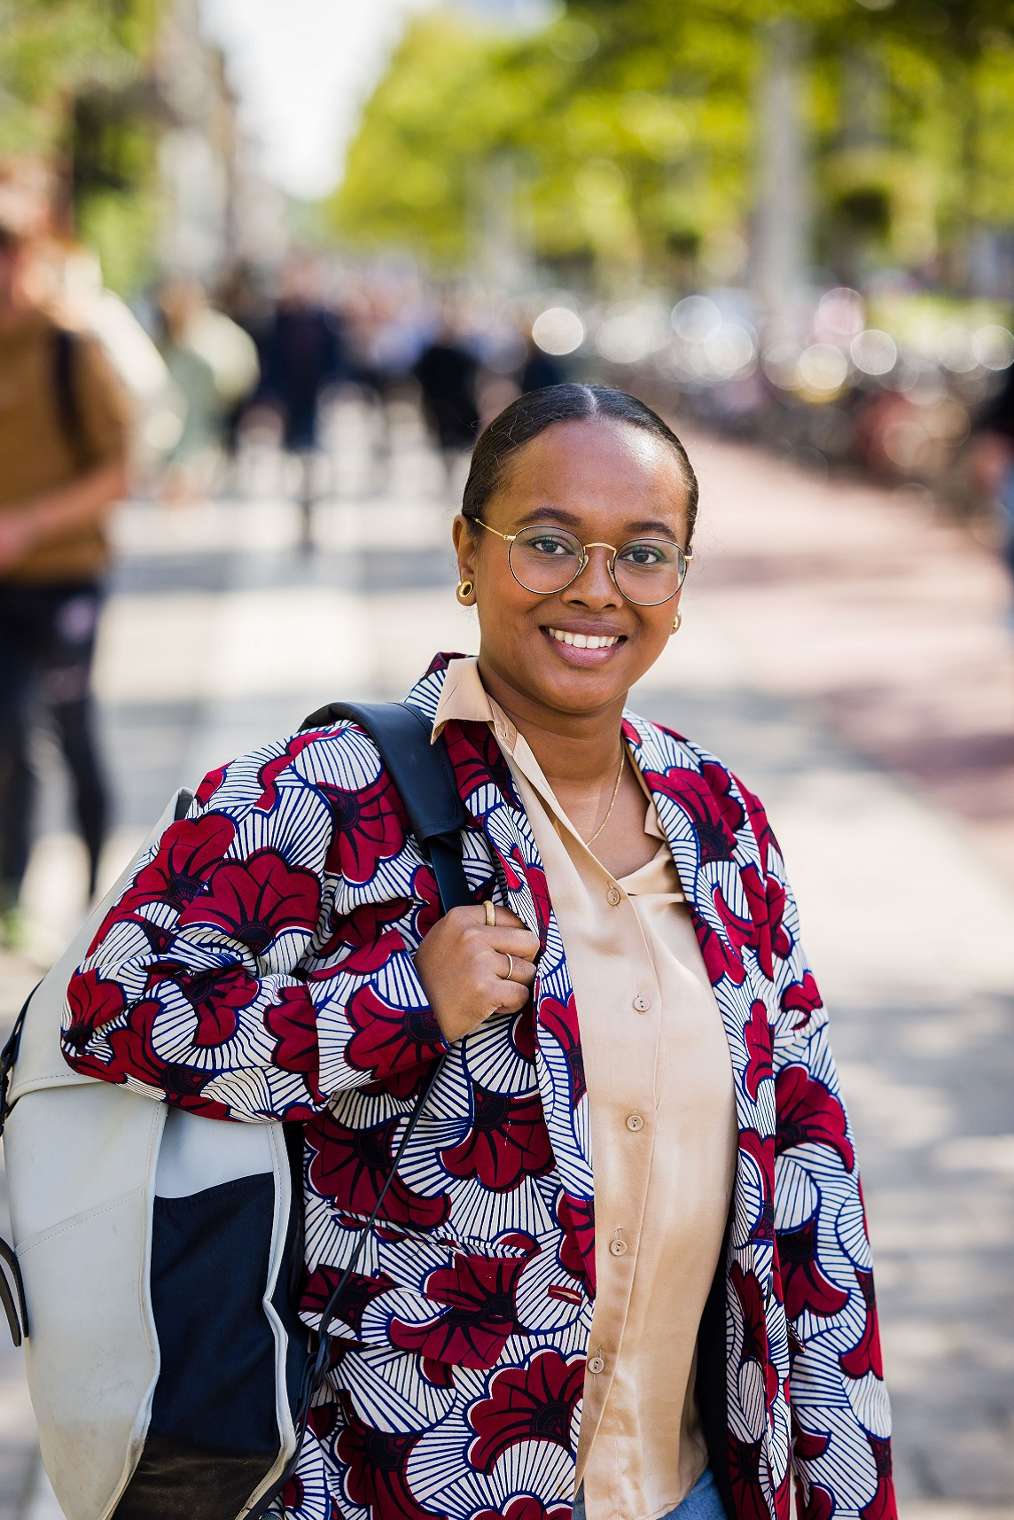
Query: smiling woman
[590, 1290]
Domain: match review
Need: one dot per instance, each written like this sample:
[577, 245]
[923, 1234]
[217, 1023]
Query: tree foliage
[631, 130]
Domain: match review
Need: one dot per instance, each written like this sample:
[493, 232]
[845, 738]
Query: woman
[629, 987]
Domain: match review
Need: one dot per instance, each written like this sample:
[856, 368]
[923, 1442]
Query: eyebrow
[572, 520]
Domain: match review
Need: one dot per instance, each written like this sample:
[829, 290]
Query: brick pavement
[844, 651]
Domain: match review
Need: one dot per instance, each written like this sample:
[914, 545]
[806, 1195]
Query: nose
[595, 586]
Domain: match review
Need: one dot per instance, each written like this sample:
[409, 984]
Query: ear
[466, 547]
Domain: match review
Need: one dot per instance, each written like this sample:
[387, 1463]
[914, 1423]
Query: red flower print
[533, 1403]
[692, 792]
[271, 770]
[478, 761]
[369, 826]
[134, 1055]
[803, 998]
[389, 1042]
[819, 1506]
[747, 1288]
[425, 890]
[762, 1153]
[473, 1330]
[865, 1356]
[257, 899]
[507, 1141]
[808, 1114]
[216, 996]
[766, 901]
[526, 1507]
[811, 1444]
[748, 1498]
[93, 1003]
[721, 959]
[358, 1293]
[352, 1165]
[882, 1506]
[560, 1020]
[522, 1033]
[720, 782]
[766, 841]
[127, 910]
[803, 1282]
[368, 936]
[757, 1033]
[188, 854]
[209, 786]
[293, 1022]
[376, 1465]
[576, 1217]
[537, 885]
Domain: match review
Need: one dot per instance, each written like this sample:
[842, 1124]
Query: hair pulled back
[531, 414]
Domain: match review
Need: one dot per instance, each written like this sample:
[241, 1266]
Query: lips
[578, 648]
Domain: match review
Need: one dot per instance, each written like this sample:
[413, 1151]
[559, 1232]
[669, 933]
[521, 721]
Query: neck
[578, 748]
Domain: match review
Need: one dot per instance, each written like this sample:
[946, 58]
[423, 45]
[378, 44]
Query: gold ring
[510, 966]
[490, 914]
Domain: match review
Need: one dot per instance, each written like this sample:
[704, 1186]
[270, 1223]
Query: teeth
[584, 640]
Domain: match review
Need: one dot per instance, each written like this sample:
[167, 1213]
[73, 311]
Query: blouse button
[614, 896]
[642, 1003]
[635, 1122]
[617, 1247]
[597, 1363]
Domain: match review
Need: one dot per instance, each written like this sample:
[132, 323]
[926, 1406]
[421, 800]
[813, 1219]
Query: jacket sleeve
[841, 1421]
[251, 969]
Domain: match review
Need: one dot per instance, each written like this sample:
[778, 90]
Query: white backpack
[111, 1194]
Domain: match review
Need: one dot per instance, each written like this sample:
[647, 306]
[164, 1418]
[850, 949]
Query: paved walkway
[846, 653]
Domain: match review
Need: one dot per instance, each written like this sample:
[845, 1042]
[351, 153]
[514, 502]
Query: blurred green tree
[632, 132]
[73, 95]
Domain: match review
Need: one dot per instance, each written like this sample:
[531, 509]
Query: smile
[584, 640]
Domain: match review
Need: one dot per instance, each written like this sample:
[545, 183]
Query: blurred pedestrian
[991, 455]
[214, 364]
[447, 373]
[242, 299]
[64, 444]
[539, 368]
[304, 354]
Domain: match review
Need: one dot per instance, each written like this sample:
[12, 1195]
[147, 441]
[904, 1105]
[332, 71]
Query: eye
[645, 555]
[552, 545]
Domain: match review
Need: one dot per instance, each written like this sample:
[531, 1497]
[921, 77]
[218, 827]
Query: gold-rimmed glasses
[545, 559]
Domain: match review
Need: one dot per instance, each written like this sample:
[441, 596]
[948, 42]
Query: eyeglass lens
[647, 570]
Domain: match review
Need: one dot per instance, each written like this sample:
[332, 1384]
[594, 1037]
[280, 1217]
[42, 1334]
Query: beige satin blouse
[663, 1137]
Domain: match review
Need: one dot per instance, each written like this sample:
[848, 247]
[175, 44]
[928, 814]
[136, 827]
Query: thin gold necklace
[612, 801]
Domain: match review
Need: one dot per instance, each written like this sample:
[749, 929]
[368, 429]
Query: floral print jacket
[260, 966]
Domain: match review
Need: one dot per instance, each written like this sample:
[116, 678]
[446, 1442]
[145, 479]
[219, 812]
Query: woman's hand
[463, 966]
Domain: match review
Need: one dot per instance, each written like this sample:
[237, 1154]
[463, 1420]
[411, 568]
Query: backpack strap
[64, 388]
[422, 774]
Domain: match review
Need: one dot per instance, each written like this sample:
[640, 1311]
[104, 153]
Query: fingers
[520, 943]
[515, 969]
[508, 996]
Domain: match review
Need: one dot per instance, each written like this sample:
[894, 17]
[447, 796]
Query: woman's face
[606, 482]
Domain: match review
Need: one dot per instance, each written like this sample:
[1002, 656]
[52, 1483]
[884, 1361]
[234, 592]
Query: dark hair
[532, 413]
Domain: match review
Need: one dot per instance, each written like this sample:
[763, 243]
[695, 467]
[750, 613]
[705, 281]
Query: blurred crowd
[174, 396]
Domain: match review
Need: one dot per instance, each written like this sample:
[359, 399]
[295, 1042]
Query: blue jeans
[701, 1503]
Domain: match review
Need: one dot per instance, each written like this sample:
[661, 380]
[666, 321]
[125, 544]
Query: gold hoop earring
[677, 623]
[464, 592]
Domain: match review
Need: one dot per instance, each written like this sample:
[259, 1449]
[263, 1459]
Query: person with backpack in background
[64, 447]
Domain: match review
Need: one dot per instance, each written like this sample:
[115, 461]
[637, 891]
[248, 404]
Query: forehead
[607, 475]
